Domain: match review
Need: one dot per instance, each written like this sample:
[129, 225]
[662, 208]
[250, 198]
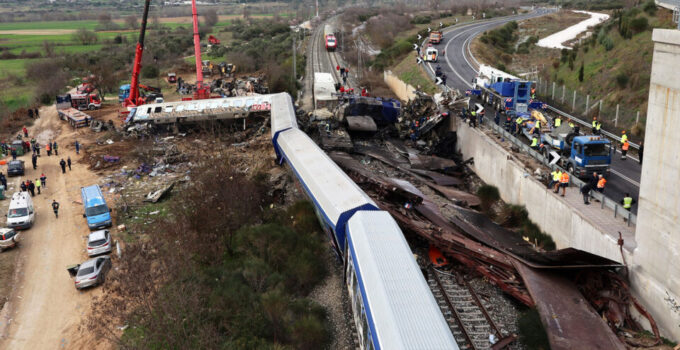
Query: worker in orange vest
[624, 149]
[564, 182]
[600, 184]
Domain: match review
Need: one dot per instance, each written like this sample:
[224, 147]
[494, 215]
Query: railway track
[465, 312]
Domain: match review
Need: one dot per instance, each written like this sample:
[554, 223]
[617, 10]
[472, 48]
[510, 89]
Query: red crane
[134, 99]
[202, 90]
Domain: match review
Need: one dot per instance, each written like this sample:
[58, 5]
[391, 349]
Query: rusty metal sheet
[361, 123]
[480, 227]
[419, 161]
[439, 179]
[452, 194]
[568, 318]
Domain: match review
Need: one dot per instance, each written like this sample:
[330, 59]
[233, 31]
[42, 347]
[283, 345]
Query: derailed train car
[392, 305]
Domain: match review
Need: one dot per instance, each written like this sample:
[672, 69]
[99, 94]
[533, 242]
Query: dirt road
[45, 310]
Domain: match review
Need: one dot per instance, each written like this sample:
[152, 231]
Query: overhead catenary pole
[573, 103]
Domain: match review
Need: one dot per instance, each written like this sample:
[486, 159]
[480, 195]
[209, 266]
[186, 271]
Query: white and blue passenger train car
[392, 304]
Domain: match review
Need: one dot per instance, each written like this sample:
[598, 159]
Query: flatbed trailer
[76, 118]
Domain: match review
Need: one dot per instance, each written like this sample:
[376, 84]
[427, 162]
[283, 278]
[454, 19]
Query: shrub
[639, 24]
[488, 195]
[622, 80]
[531, 331]
[421, 20]
[150, 71]
[649, 7]
[608, 43]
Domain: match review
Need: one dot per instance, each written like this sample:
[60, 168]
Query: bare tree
[131, 22]
[85, 37]
[210, 17]
[105, 79]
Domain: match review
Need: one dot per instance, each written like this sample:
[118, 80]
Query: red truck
[213, 40]
[86, 101]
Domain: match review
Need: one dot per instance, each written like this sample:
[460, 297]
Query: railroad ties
[466, 314]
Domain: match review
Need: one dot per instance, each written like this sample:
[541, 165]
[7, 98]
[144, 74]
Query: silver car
[92, 272]
[8, 238]
[99, 242]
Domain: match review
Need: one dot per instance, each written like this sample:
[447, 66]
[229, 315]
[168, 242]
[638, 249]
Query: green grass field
[48, 25]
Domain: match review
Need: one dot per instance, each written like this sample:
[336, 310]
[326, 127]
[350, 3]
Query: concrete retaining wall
[496, 166]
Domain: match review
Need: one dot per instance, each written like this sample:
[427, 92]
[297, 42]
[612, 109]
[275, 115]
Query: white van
[21, 214]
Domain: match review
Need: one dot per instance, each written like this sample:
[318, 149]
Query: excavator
[130, 95]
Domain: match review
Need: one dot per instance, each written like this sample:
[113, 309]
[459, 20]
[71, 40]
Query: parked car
[21, 213]
[99, 242]
[15, 168]
[8, 238]
[91, 272]
[98, 215]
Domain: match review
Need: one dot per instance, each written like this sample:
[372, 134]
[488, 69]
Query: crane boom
[197, 47]
[134, 99]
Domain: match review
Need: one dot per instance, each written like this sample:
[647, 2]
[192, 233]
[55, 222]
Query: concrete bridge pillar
[656, 271]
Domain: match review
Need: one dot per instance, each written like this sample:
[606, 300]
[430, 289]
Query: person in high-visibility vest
[518, 125]
[558, 177]
[555, 178]
[594, 124]
[600, 184]
[624, 137]
[627, 201]
[571, 123]
[558, 122]
[597, 128]
[624, 149]
[564, 182]
[534, 142]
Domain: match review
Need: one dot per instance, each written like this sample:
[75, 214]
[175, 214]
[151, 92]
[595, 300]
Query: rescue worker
[14, 154]
[25, 131]
[564, 182]
[571, 123]
[78, 144]
[641, 151]
[518, 125]
[624, 150]
[558, 122]
[534, 142]
[48, 148]
[68, 162]
[557, 177]
[55, 147]
[585, 191]
[55, 208]
[497, 118]
[34, 160]
[533, 93]
[627, 201]
[31, 188]
[601, 183]
[597, 128]
[3, 180]
[62, 163]
[537, 127]
[38, 185]
[594, 124]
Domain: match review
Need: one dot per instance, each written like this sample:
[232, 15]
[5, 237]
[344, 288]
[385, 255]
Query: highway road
[460, 67]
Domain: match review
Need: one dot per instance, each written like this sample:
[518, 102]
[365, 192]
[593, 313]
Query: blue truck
[581, 155]
[97, 213]
[503, 91]
[150, 93]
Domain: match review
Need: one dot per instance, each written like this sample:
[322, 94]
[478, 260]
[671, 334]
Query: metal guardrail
[587, 125]
[604, 200]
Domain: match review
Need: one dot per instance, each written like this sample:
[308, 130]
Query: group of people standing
[31, 186]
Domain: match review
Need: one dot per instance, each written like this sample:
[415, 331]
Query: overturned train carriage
[392, 305]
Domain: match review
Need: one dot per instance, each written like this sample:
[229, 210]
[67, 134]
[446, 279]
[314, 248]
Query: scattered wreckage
[582, 299]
